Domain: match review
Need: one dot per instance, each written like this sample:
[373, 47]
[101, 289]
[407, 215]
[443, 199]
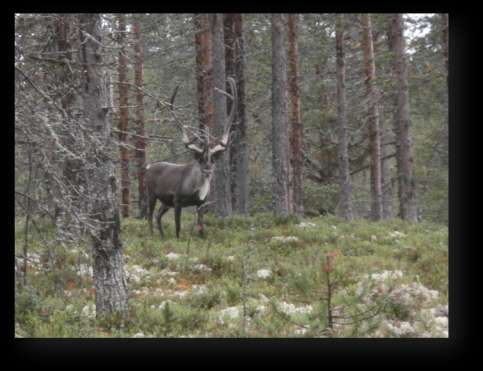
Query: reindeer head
[208, 149]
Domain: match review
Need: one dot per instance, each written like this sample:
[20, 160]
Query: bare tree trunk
[123, 117]
[235, 65]
[296, 161]
[140, 142]
[345, 207]
[280, 142]
[402, 123]
[373, 117]
[103, 204]
[72, 176]
[222, 170]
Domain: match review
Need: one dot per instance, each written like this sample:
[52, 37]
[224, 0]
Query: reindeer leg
[151, 205]
[199, 211]
[177, 219]
[162, 210]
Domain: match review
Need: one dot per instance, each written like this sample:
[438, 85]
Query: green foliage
[185, 296]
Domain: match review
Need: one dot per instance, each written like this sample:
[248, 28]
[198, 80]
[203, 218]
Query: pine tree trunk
[296, 161]
[345, 203]
[222, 170]
[386, 180]
[280, 141]
[445, 42]
[402, 123]
[204, 68]
[373, 117]
[204, 79]
[140, 142]
[123, 117]
[234, 56]
[109, 278]
[72, 176]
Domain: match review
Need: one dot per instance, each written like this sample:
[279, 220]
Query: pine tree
[280, 142]
[296, 161]
[140, 153]
[402, 123]
[123, 117]
[103, 204]
[373, 117]
[345, 203]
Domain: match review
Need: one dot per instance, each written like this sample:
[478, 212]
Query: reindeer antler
[189, 143]
[223, 142]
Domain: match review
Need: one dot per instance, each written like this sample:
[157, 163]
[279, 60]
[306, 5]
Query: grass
[185, 297]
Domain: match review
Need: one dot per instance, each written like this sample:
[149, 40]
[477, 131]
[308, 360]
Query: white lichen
[264, 273]
[306, 225]
[229, 313]
[172, 256]
[89, 311]
[289, 308]
[284, 238]
[201, 268]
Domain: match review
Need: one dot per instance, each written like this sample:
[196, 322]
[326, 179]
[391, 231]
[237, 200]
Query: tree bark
[445, 43]
[386, 180]
[345, 204]
[280, 142]
[140, 142]
[72, 176]
[373, 117]
[235, 65]
[204, 79]
[402, 123]
[123, 117]
[103, 204]
[222, 170]
[296, 161]
[204, 69]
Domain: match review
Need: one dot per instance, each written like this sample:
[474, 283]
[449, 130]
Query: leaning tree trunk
[296, 161]
[373, 117]
[235, 64]
[109, 278]
[140, 142]
[222, 171]
[345, 207]
[280, 142]
[123, 117]
[402, 123]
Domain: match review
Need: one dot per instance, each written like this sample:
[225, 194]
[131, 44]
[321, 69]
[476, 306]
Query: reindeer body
[178, 186]
[182, 185]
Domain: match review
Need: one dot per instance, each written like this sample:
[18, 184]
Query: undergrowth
[249, 276]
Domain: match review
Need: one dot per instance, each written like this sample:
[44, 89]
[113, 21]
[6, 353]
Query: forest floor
[258, 276]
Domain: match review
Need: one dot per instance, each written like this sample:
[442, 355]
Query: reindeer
[181, 185]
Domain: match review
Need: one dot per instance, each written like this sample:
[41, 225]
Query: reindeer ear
[190, 143]
[217, 150]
